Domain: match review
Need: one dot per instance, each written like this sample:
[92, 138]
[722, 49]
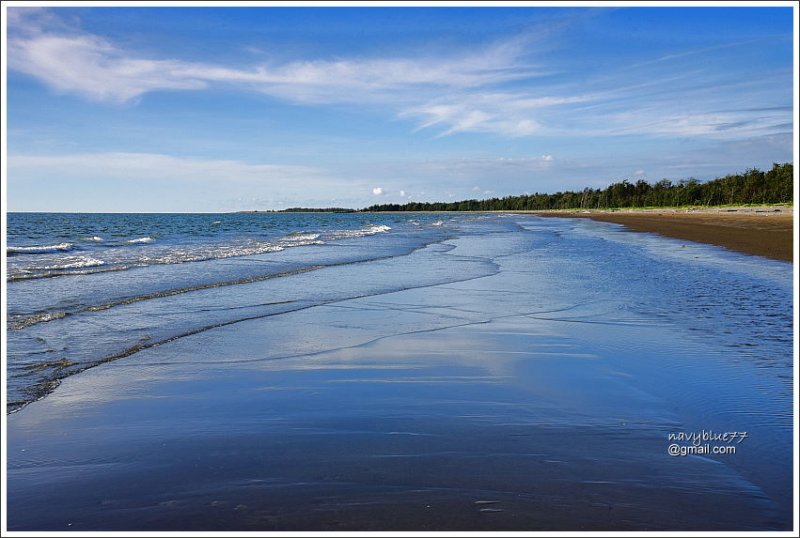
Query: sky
[216, 109]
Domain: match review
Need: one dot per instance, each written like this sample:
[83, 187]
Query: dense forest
[303, 210]
[751, 187]
[317, 210]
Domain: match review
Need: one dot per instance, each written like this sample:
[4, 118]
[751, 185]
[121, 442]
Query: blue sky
[224, 109]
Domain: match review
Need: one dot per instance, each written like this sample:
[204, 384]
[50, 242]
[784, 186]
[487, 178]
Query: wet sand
[766, 231]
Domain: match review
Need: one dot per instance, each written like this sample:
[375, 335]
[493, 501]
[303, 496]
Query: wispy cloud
[694, 52]
[452, 92]
[95, 68]
[499, 89]
[508, 113]
[699, 106]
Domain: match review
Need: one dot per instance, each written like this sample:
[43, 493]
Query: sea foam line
[177, 256]
[140, 240]
[39, 249]
[75, 262]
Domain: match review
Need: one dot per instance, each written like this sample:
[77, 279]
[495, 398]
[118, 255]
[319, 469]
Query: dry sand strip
[761, 231]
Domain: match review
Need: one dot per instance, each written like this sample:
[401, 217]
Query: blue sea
[384, 371]
[84, 289]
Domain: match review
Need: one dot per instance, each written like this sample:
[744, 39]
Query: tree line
[751, 187]
[317, 210]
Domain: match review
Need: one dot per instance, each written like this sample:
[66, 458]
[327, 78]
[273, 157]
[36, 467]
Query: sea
[84, 289]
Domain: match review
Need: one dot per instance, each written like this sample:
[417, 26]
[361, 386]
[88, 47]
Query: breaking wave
[144, 251]
[40, 249]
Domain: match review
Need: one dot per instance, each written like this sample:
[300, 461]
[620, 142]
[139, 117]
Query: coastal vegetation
[305, 210]
[751, 187]
[319, 210]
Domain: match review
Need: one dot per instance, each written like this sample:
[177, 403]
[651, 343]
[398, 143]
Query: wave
[87, 265]
[299, 239]
[25, 320]
[369, 230]
[28, 274]
[55, 371]
[140, 240]
[165, 255]
[70, 265]
[95, 239]
[40, 249]
[20, 322]
[302, 236]
[74, 262]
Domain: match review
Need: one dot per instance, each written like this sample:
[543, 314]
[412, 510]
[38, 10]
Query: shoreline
[759, 231]
[516, 377]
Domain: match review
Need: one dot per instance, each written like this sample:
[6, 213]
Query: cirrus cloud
[498, 88]
[93, 67]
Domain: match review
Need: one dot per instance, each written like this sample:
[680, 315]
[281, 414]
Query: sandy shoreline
[525, 376]
[761, 231]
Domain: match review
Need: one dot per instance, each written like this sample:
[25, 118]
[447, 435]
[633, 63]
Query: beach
[761, 231]
[302, 268]
[419, 372]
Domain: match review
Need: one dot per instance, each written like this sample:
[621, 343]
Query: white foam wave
[213, 253]
[36, 249]
[96, 239]
[301, 236]
[241, 250]
[299, 239]
[140, 240]
[369, 230]
[437, 223]
[21, 322]
[75, 262]
[161, 254]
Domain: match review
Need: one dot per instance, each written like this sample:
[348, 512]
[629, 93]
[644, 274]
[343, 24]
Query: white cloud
[547, 157]
[377, 191]
[74, 62]
[97, 69]
[511, 114]
[402, 193]
[491, 89]
[720, 125]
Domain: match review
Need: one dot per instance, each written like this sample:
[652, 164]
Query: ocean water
[84, 289]
[390, 372]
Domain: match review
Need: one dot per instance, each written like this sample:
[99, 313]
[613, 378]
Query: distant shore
[761, 231]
